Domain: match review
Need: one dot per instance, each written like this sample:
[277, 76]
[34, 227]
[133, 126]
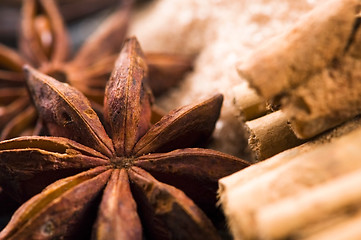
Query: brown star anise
[130, 164]
[44, 44]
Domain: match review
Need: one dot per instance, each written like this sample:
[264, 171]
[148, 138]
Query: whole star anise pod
[134, 162]
[44, 44]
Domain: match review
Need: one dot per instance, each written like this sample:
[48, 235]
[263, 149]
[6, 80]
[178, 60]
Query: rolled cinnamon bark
[269, 135]
[314, 67]
[326, 100]
[248, 104]
[312, 210]
[346, 229]
[245, 194]
[289, 59]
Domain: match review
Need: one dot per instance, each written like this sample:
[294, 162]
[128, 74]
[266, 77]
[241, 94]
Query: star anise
[44, 44]
[133, 161]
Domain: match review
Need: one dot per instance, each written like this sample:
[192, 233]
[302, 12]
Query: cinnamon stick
[326, 100]
[268, 132]
[289, 59]
[296, 215]
[314, 67]
[284, 157]
[245, 194]
[346, 229]
[269, 135]
[248, 104]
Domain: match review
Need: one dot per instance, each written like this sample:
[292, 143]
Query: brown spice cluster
[116, 172]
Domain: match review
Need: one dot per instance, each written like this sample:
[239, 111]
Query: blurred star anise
[44, 44]
[130, 161]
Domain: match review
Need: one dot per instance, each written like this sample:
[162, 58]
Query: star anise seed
[44, 44]
[133, 201]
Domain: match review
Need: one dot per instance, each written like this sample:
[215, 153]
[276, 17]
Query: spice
[267, 130]
[126, 161]
[44, 44]
[70, 10]
[248, 104]
[269, 135]
[314, 70]
[286, 186]
[166, 70]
